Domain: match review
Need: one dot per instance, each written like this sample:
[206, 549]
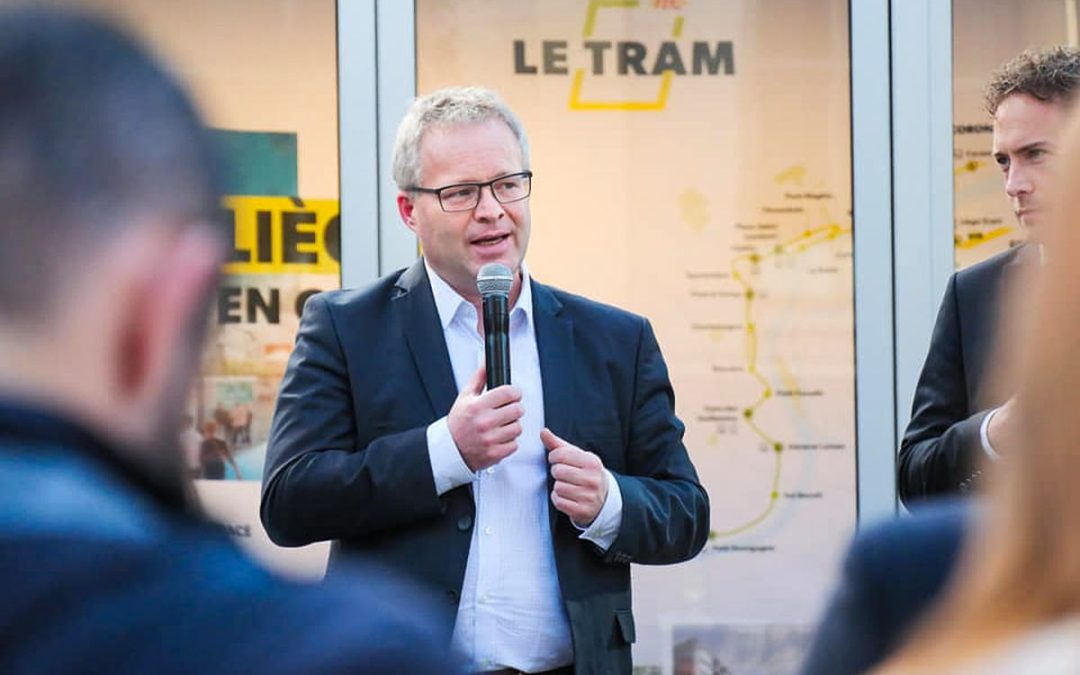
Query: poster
[283, 251]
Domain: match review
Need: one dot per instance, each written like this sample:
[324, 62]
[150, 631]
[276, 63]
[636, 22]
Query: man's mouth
[492, 240]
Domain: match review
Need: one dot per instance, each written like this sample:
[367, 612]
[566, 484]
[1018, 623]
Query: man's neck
[472, 296]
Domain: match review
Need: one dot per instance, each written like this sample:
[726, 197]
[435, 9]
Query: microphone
[494, 281]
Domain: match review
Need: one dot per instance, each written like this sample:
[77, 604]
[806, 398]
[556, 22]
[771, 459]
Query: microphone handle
[497, 340]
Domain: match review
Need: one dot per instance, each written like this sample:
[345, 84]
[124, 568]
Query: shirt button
[490, 470]
[488, 531]
[483, 598]
[464, 523]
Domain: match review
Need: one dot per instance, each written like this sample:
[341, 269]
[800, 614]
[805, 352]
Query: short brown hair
[1049, 74]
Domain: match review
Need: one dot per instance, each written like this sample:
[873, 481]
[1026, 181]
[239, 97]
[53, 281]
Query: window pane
[693, 165]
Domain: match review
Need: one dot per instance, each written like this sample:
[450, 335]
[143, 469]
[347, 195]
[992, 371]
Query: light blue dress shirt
[511, 613]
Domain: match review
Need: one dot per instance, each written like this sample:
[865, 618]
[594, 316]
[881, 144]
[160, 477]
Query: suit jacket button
[464, 523]
[453, 595]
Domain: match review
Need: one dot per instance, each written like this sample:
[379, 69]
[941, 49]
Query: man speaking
[524, 503]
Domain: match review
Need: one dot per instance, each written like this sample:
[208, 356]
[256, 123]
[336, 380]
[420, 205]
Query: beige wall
[253, 65]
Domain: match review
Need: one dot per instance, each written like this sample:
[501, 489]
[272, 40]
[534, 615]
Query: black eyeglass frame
[480, 187]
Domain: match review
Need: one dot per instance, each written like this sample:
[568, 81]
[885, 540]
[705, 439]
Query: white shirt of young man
[511, 613]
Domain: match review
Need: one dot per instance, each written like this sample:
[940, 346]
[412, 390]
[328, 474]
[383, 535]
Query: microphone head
[494, 279]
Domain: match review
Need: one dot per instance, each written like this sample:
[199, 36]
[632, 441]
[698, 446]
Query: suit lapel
[555, 344]
[419, 320]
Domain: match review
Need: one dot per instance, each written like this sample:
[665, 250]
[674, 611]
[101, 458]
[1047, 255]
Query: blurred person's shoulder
[935, 525]
[363, 618]
[910, 558]
[97, 577]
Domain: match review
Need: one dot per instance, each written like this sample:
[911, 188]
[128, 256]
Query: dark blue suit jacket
[348, 460]
[892, 574]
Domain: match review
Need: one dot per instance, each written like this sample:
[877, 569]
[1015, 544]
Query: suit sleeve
[665, 510]
[318, 484]
[941, 444]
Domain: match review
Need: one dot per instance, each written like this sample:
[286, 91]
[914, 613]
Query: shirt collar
[449, 302]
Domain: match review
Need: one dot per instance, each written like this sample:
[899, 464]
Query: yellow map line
[809, 238]
[996, 233]
[774, 496]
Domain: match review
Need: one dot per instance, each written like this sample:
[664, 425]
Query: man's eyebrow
[1034, 145]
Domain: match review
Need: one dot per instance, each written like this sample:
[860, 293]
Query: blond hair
[453, 105]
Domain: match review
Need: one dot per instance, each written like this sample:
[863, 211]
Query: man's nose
[1017, 181]
[488, 207]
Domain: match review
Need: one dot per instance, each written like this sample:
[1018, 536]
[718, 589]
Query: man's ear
[167, 297]
[406, 206]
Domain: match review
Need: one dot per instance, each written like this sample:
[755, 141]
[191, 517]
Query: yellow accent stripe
[765, 514]
[659, 104]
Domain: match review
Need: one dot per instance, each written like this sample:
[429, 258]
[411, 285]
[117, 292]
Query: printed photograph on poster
[232, 403]
[743, 649]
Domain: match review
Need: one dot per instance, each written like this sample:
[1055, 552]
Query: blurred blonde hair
[1021, 566]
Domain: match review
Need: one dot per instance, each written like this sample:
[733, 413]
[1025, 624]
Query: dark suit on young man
[941, 449]
[892, 575]
[348, 457]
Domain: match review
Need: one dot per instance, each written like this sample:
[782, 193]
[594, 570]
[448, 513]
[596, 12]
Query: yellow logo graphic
[282, 235]
[576, 100]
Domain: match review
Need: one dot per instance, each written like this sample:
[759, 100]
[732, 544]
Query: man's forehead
[456, 129]
[1022, 121]
[492, 138]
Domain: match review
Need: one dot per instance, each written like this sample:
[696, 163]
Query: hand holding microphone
[484, 424]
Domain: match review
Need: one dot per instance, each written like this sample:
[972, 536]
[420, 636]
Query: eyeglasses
[512, 187]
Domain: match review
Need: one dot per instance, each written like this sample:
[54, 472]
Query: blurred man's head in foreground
[109, 247]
